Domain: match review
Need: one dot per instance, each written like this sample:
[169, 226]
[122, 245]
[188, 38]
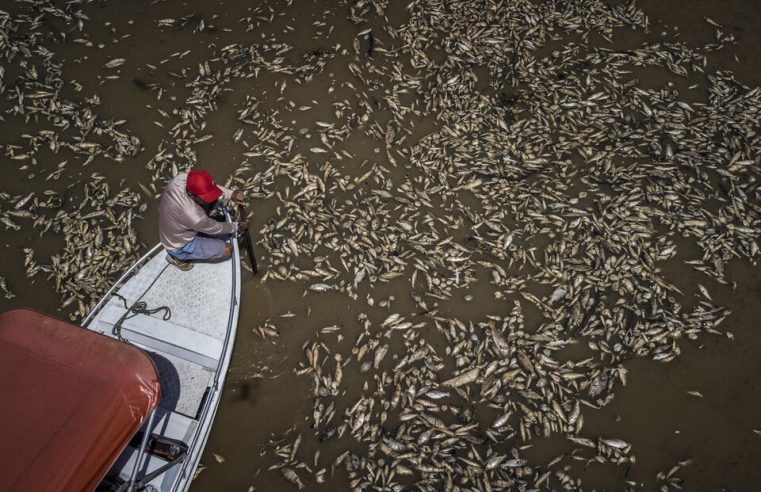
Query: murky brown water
[263, 399]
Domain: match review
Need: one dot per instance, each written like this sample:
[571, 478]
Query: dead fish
[435, 394]
[392, 318]
[4, 287]
[465, 378]
[320, 287]
[704, 291]
[292, 477]
[116, 62]
[23, 201]
[615, 443]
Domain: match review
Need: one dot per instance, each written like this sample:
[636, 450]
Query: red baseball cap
[201, 184]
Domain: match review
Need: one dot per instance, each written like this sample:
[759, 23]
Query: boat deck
[195, 297]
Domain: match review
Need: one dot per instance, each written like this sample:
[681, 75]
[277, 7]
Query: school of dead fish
[61, 134]
[550, 187]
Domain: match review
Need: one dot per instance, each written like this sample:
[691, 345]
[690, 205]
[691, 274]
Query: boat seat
[166, 337]
[174, 425]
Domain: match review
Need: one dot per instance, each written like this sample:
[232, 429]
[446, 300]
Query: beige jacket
[181, 218]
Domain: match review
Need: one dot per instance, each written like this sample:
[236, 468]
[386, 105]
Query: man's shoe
[182, 265]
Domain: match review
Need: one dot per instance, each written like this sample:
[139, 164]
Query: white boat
[191, 349]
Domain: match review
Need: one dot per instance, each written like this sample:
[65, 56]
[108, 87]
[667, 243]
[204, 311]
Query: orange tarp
[70, 401]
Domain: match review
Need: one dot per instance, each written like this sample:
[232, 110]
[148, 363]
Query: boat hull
[187, 323]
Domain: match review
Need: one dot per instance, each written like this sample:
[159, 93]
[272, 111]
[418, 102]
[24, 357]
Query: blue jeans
[202, 248]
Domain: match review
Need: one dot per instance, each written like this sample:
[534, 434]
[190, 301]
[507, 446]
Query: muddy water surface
[264, 399]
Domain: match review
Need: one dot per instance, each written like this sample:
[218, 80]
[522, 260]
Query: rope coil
[139, 307]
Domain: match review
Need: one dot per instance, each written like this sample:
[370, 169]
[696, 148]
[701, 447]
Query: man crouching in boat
[185, 228]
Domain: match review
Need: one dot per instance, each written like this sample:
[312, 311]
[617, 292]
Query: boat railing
[107, 296]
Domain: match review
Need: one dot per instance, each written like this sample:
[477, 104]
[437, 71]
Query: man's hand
[242, 225]
[238, 197]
